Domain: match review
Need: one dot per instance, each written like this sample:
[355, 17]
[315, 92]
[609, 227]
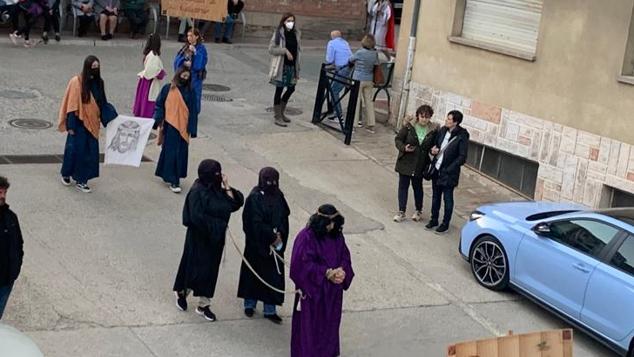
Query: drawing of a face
[127, 137]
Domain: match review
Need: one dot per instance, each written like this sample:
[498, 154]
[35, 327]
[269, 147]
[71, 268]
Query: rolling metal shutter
[513, 24]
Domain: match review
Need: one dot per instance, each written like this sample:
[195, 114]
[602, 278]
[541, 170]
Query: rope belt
[276, 257]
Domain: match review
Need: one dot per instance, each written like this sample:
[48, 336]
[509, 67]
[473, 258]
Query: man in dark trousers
[10, 246]
[452, 144]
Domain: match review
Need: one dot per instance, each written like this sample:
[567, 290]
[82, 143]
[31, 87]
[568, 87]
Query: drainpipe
[411, 50]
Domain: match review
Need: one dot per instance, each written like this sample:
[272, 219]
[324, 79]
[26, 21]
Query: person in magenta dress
[322, 269]
[149, 79]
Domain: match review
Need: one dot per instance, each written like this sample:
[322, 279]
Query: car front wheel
[489, 263]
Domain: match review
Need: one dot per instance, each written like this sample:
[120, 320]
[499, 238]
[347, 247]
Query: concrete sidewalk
[121, 40]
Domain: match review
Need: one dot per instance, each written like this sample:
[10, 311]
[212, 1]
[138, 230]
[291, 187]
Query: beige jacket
[152, 67]
[278, 52]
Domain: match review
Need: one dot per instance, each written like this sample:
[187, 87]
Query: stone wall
[341, 9]
[574, 165]
[316, 18]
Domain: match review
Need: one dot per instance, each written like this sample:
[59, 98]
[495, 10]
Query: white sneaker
[66, 181]
[14, 38]
[418, 216]
[175, 188]
[83, 187]
[400, 217]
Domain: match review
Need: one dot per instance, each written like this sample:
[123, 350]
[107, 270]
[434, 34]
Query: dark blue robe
[198, 70]
[81, 153]
[172, 164]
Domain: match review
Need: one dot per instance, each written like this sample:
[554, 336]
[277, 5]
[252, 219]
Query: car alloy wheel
[489, 264]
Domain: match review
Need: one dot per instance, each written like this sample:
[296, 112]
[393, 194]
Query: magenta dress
[315, 329]
[144, 108]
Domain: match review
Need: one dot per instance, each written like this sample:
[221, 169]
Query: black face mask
[183, 82]
[94, 73]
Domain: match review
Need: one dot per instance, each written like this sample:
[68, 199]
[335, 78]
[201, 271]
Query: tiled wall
[574, 165]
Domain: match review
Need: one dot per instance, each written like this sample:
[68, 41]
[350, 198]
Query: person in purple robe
[150, 79]
[321, 268]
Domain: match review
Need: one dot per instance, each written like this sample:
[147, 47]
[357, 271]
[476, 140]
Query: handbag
[429, 171]
[379, 78]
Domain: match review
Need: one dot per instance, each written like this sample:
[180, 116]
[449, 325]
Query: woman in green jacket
[414, 142]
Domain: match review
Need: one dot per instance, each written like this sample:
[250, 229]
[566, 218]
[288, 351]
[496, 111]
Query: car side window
[584, 235]
[624, 257]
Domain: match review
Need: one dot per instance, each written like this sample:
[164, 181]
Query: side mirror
[542, 229]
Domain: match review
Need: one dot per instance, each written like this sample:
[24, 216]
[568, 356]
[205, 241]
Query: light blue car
[14, 343]
[575, 262]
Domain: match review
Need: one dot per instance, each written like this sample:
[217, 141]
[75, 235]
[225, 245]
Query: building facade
[547, 89]
[316, 17]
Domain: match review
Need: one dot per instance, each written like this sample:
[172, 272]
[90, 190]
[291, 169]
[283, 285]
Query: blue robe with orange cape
[175, 112]
[81, 153]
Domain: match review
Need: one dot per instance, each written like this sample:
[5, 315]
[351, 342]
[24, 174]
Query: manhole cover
[215, 87]
[26, 123]
[16, 94]
[289, 111]
[216, 98]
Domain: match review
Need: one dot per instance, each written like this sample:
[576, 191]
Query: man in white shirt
[452, 145]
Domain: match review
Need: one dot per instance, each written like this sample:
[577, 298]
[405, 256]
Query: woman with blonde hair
[414, 142]
[364, 61]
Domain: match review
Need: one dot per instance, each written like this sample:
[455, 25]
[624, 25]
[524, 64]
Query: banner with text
[212, 10]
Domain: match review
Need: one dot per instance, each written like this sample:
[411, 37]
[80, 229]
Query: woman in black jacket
[451, 149]
[414, 141]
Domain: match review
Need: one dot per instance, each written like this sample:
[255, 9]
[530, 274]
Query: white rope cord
[275, 257]
[246, 262]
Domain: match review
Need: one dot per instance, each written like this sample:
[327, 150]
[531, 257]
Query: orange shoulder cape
[176, 112]
[88, 113]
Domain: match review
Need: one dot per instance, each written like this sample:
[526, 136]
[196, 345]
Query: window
[510, 27]
[586, 236]
[514, 171]
[622, 199]
[627, 72]
[624, 257]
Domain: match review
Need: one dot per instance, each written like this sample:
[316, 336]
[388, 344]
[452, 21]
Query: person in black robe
[265, 225]
[206, 214]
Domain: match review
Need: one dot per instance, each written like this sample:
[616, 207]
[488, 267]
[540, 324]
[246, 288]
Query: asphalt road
[99, 267]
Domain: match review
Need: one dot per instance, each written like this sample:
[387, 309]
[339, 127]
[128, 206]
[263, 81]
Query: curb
[129, 43]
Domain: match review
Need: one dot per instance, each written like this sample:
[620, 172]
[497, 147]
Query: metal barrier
[327, 77]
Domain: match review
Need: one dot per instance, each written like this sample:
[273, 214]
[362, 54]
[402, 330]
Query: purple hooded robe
[315, 328]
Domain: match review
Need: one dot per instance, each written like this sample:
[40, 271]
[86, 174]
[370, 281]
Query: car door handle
[581, 268]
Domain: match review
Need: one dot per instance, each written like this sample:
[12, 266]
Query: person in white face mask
[285, 50]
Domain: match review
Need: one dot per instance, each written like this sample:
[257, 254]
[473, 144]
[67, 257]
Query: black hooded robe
[206, 215]
[260, 216]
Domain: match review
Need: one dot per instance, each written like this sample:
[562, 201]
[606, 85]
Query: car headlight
[475, 215]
